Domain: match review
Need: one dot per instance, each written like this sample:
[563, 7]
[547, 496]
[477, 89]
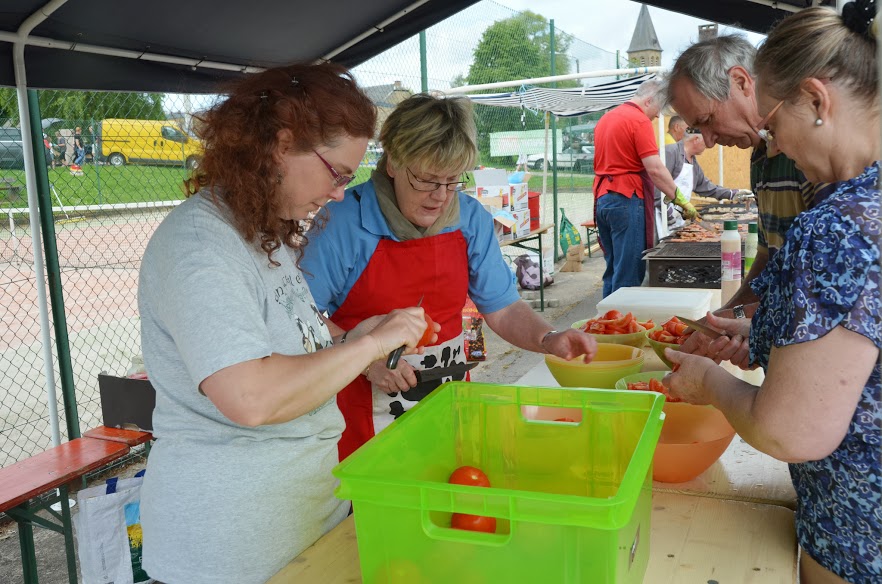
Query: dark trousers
[621, 227]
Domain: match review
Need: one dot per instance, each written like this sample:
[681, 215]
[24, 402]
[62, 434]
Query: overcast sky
[609, 24]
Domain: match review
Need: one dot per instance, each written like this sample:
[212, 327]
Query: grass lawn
[103, 185]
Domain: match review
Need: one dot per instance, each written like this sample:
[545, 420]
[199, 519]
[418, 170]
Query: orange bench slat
[588, 223]
[130, 437]
[57, 466]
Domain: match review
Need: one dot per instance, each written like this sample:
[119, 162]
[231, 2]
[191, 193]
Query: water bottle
[731, 261]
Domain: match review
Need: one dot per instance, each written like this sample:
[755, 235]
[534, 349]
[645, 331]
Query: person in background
[681, 162]
[676, 130]
[244, 367]
[817, 331]
[626, 166]
[47, 150]
[79, 147]
[411, 233]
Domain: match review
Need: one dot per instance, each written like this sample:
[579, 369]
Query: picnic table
[519, 242]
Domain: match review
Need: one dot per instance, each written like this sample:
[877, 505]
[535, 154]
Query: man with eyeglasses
[712, 87]
[410, 235]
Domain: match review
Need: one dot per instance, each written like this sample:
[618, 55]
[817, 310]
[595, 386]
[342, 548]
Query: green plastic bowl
[659, 349]
[631, 339]
[637, 377]
[611, 363]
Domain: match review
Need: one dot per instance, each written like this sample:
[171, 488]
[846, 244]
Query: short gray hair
[706, 64]
[656, 89]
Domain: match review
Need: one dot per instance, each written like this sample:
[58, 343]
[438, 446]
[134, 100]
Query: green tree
[82, 107]
[515, 48]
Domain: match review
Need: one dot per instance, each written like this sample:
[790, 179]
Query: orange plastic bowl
[692, 439]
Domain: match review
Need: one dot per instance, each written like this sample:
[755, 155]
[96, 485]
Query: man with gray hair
[676, 130]
[626, 166]
[712, 87]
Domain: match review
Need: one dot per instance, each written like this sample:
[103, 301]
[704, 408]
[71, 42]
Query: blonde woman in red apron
[411, 233]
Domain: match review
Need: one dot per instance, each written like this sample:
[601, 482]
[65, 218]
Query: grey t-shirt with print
[223, 502]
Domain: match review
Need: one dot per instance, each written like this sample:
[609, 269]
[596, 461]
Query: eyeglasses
[340, 180]
[764, 132]
[429, 186]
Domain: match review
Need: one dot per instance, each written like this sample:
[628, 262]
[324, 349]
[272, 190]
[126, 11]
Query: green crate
[572, 500]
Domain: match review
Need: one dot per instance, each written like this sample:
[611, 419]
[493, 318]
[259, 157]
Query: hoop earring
[819, 122]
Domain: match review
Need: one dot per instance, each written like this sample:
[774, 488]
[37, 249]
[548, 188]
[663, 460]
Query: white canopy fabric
[574, 101]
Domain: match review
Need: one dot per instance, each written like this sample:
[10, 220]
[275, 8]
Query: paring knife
[395, 356]
[701, 328]
[424, 375]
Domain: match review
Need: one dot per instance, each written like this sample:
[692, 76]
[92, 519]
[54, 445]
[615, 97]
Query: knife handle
[394, 357]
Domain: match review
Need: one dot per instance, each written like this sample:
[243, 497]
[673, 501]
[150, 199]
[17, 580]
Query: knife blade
[706, 226]
[424, 375]
[394, 356]
[701, 328]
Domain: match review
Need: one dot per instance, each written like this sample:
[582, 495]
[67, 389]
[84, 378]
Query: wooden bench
[127, 437]
[40, 474]
[590, 227]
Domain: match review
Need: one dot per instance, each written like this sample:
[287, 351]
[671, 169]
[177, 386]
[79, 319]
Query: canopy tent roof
[567, 102]
[753, 15]
[210, 41]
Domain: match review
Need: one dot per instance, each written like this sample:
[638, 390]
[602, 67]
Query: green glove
[680, 198]
[689, 211]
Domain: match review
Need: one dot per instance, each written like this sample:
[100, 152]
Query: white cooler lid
[659, 303]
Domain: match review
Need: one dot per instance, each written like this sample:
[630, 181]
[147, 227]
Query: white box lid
[659, 303]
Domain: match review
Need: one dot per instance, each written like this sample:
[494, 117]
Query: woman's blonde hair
[817, 43]
[430, 133]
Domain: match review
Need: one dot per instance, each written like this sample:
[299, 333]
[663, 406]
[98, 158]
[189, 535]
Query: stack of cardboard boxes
[507, 203]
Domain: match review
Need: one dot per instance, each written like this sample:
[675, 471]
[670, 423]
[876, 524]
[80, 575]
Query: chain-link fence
[116, 162]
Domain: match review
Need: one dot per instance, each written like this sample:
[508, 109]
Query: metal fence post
[553, 147]
[53, 271]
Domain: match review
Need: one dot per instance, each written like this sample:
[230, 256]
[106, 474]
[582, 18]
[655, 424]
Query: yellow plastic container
[631, 339]
[572, 500]
[611, 363]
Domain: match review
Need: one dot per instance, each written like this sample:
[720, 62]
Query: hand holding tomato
[429, 336]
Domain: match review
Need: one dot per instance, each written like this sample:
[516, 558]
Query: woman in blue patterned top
[817, 332]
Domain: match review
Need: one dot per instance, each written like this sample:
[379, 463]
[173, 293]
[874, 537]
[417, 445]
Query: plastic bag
[527, 273]
[569, 235]
[108, 528]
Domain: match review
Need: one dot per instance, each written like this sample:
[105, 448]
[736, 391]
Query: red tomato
[473, 522]
[469, 475]
[430, 332]
[565, 420]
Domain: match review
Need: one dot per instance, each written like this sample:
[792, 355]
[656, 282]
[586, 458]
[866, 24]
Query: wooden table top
[542, 229]
[692, 540]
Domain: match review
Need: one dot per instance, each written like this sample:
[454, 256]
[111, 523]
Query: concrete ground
[577, 294]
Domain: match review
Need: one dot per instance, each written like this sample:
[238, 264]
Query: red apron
[398, 273]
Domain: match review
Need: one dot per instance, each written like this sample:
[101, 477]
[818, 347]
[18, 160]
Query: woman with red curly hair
[245, 368]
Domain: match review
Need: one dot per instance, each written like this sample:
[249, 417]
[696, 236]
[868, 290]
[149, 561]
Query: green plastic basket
[572, 499]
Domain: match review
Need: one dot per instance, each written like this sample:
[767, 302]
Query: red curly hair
[318, 103]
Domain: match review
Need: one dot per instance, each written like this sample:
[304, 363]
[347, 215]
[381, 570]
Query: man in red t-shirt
[626, 166]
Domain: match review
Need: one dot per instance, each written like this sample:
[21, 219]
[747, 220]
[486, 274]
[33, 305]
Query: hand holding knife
[395, 356]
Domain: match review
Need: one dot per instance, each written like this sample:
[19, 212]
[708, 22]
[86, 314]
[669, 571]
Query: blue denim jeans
[621, 228]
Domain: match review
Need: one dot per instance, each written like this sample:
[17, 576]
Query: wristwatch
[738, 311]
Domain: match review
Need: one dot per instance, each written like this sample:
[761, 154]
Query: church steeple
[644, 50]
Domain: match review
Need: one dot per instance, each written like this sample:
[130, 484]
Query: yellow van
[148, 141]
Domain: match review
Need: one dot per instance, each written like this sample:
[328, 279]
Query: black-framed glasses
[340, 180]
[428, 186]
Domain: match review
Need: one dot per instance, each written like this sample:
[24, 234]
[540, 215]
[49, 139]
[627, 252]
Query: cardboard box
[522, 223]
[126, 403]
[519, 197]
[503, 224]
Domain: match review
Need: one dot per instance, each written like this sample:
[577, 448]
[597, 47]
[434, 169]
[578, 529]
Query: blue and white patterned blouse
[827, 274]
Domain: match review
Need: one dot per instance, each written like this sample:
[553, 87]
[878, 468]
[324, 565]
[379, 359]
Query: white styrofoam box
[494, 193]
[547, 259]
[659, 303]
[519, 198]
[522, 223]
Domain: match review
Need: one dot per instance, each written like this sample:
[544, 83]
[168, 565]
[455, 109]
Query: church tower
[644, 50]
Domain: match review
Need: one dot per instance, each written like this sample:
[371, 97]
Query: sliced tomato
[638, 386]
[429, 333]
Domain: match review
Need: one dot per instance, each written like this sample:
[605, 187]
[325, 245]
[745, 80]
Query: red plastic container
[533, 198]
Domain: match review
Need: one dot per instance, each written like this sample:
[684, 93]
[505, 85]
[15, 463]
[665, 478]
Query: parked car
[11, 149]
[148, 141]
[569, 158]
